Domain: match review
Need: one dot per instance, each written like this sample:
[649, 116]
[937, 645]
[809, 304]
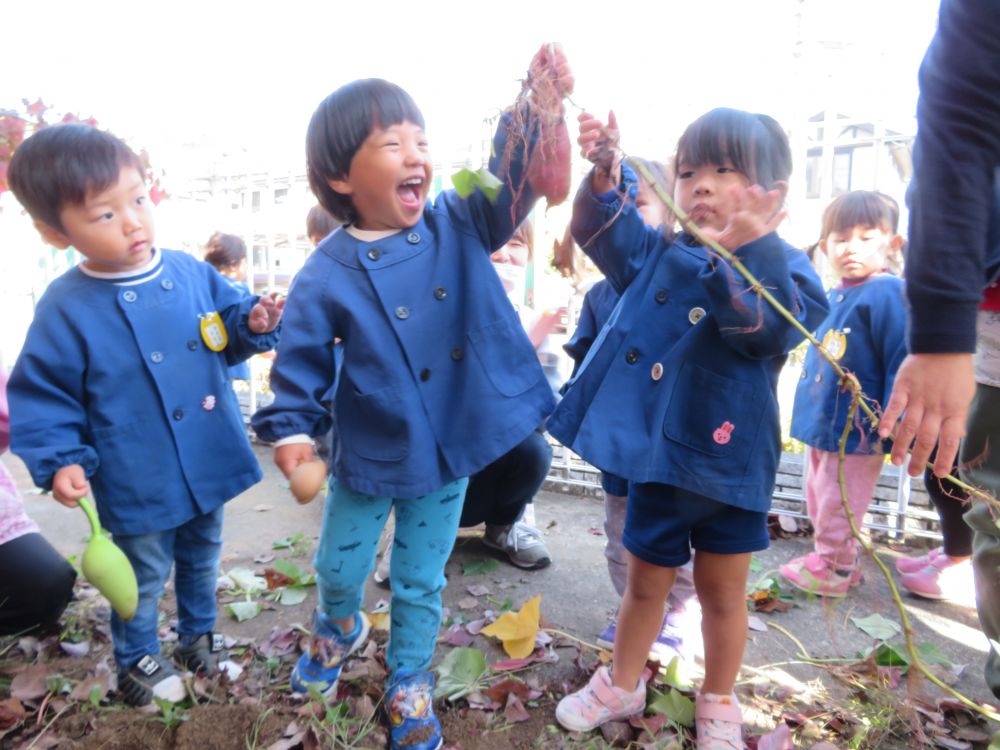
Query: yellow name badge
[835, 342]
[213, 333]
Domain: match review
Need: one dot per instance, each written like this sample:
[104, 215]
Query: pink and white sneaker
[912, 564]
[718, 722]
[942, 578]
[599, 702]
[813, 574]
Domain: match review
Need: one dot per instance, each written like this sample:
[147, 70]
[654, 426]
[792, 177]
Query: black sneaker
[203, 655]
[151, 677]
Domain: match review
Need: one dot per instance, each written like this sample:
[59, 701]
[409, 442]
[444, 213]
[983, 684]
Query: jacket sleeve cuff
[942, 328]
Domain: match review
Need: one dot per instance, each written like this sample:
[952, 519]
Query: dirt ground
[806, 678]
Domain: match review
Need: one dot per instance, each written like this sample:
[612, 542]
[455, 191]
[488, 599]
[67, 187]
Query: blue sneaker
[320, 666]
[409, 701]
[607, 638]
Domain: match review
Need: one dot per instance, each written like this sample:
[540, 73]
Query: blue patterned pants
[425, 534]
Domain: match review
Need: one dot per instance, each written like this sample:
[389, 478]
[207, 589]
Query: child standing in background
[320, 223]
[682, 603]
[865, 333]
[678, 394]
[438, 377]
[227, 254]
[122, 390]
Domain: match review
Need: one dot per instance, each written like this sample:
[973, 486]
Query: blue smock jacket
[866, 332]
[118, 379]
[598, 304]
[241, 370]
[438, 378]
[679, 387]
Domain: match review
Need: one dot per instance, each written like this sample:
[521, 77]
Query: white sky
[226, 76]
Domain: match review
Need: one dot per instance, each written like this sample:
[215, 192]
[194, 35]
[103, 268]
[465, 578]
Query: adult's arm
[951, 197]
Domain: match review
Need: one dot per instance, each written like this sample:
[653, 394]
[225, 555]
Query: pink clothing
[14, 522]
[832, 537]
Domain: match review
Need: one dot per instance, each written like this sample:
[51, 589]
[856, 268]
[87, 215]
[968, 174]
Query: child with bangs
[865, 333]
[678, 393]
[438, 378]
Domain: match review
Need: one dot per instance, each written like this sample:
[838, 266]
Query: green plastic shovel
[107, 568]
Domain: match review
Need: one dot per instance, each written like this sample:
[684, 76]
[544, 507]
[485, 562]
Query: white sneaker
[384, 567]
[522, 543]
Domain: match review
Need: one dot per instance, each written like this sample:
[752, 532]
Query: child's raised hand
[599, 145]
[550, 77]
[266, 313]
[70, 484]
[756, 212]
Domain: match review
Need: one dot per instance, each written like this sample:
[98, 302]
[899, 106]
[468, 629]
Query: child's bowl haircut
[341, 124]
[754, 144]
[859, 208]
[61, 164]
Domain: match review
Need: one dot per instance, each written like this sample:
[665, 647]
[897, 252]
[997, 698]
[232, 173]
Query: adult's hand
[932, 393]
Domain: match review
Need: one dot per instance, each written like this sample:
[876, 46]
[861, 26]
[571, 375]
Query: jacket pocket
[374, 425]
[503, 350]
[711, 413]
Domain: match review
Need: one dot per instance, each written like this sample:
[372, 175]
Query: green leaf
[245, 580]
[288, 542]
[931, 654]
[675, 706]
[241, 611]
[877, 626]
[887, 655]
[489, 184]
[459, 673]
[293, 571]
[464, 181]
[479, 567]
[674, 677]
[292, 595]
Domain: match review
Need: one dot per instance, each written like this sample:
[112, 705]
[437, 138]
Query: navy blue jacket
[118, 379]
[679, 387]
[954, 197]
[866, 333]
[438, 378]
[598, 304]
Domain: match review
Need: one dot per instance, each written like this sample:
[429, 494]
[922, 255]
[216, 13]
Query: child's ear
[782, 187]
[822, 245]
[340, 186]
[52, 235]
[896, 243]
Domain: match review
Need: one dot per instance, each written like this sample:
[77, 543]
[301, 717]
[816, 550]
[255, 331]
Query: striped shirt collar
[151, 270]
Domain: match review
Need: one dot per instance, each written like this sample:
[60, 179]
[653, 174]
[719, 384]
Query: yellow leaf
[518, 629]
[379, 620]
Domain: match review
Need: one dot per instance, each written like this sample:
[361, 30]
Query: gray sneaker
[522, 543]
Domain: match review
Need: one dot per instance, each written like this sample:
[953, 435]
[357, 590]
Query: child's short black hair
[860, 208]
[341, 124]
[754, 144]
[59, 165]
[320, 222]
[225, 250]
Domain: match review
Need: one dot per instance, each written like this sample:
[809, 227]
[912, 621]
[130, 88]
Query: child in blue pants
[122, 390]
[438, 378]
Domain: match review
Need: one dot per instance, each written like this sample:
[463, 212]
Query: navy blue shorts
[614, 484]
[663, 523]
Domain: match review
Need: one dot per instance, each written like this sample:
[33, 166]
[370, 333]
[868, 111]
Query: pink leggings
[833, 539]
